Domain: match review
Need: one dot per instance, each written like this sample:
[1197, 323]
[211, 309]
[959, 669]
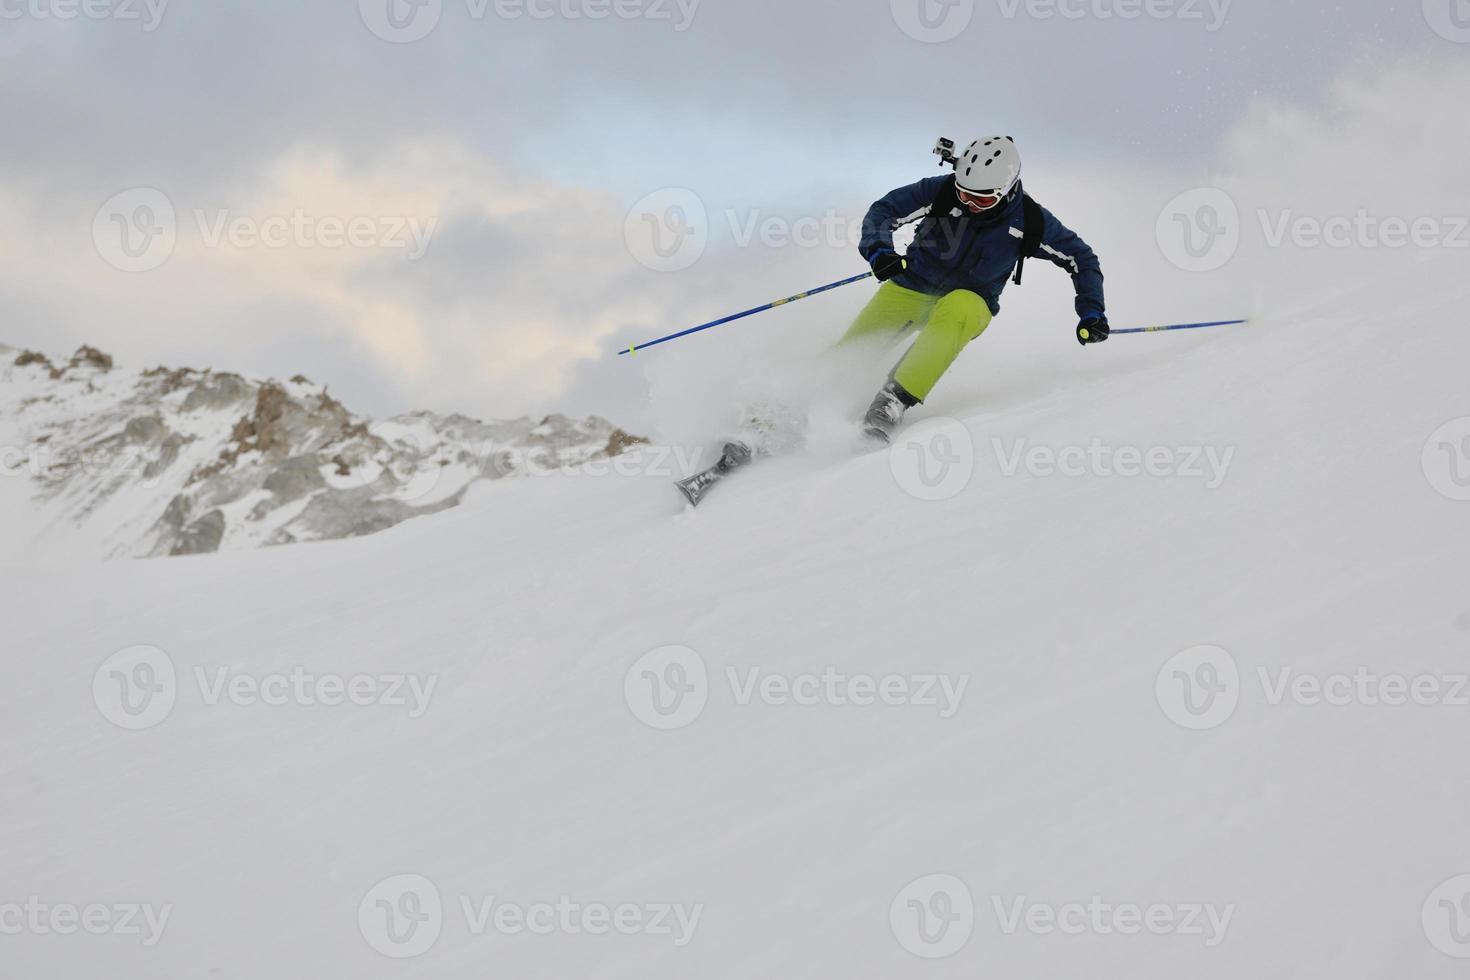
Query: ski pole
[635, 348]
[1181, 326]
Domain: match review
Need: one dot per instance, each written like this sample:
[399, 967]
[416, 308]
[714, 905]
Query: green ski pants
[945, 324]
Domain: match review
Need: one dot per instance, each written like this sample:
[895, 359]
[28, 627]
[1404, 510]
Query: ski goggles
[978, 202]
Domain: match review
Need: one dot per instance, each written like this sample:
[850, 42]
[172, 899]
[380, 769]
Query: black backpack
[1033, 227]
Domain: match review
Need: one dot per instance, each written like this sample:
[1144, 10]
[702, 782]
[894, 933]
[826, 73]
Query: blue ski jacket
[962, 250]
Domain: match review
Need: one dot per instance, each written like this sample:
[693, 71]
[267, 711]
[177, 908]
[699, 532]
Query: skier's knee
[964, 303]
[967, 311]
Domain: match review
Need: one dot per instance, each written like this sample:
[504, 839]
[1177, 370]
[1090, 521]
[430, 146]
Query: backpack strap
[1033, 229]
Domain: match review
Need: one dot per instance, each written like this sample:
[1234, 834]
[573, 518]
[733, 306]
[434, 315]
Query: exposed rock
[29, 357]
[620, 442]
[87, 356]
[217, 391]
[147, 429]
[203, 537]
[295, 478]
[210, 461]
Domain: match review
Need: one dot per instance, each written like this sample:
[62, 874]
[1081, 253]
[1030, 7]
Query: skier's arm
[893, 211]
[1066, 249]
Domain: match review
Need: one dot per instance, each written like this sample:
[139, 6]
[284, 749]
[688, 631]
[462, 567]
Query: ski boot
[736, 455]
[886, 413]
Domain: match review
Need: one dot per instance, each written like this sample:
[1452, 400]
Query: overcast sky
[483, 158]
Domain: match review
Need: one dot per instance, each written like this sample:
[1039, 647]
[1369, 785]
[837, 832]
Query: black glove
[1093, 330]
[886, 265]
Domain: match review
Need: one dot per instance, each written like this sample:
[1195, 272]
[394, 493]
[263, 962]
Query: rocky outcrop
[179, 461]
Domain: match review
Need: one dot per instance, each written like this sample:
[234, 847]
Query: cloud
[518, 277]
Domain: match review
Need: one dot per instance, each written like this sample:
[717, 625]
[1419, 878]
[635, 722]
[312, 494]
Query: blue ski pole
[635, 348]
[1181, 326]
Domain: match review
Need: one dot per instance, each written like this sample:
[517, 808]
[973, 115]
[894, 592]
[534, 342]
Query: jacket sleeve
[1066, 249]
[896, 209]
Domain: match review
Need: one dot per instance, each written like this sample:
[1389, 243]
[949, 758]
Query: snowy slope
[1316, 833]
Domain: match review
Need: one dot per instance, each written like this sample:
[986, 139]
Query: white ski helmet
[990, 166]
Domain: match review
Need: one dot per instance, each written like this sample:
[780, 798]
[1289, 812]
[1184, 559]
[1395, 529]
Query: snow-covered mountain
[125, 463]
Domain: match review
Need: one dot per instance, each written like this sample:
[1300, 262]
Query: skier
[977, 227]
